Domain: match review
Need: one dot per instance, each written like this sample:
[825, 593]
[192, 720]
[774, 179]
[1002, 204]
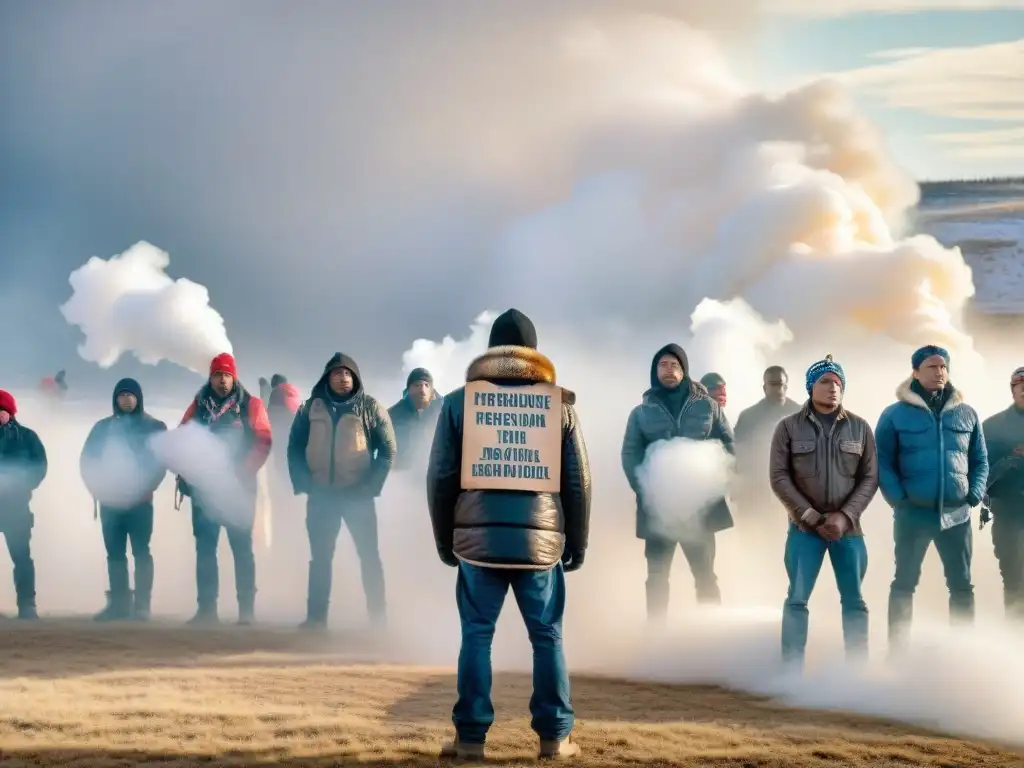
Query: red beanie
[223, 363]
[7, 403]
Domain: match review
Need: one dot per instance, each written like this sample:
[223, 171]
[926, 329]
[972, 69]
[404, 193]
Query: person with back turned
[1004, 441]
[932, 469]
[23, 467]
[340, 451]
[231, 414]
[675, 406]
[824, 469]
[122, 482]
[508, 488]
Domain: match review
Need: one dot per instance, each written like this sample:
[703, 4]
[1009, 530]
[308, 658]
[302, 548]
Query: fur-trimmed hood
[905, 394]
[515, 364]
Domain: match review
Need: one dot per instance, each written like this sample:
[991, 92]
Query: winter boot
[567, 749]
[143, 588]
[462, 751]
[205, 616]
[246, 609]
[119, 598]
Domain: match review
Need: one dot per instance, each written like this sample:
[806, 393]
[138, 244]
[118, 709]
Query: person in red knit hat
[22, 469]
[230, 412]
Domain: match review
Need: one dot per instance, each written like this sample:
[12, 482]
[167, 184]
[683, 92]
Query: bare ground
[75, 694]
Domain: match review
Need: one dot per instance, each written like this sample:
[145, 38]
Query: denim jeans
[913, 533]
[805, 553]
[16, 526]
[700, 556]
[206, 531]
[119, 527]
[325, 513]
[480, 593]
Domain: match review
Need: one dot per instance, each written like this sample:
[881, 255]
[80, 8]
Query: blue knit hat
[820, 368]
[925, 352]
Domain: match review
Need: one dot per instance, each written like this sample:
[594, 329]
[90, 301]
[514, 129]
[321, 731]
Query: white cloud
[995, 136]
[978, 82]
[898, 53]
[836, 8]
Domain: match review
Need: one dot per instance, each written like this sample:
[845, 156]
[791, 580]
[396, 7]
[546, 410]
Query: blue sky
[931, 108]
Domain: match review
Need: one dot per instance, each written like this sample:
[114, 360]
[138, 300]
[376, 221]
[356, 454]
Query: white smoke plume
[205, 462]
[448, 359]
[115, 477]
[128, 303]
[679, 480]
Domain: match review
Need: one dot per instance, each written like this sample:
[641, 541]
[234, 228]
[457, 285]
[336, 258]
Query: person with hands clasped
[824, 469]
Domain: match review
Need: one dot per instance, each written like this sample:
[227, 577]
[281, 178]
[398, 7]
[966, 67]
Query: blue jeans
[805, 553]
[480, 593]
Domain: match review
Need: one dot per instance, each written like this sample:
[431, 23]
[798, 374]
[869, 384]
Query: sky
[323, 166]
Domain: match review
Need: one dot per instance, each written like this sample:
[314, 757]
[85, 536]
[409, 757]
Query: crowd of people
[930, 455]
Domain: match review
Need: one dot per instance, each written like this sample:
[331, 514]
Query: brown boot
[566, 749]
[462, 751]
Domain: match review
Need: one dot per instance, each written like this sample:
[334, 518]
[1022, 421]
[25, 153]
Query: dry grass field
[74, 694]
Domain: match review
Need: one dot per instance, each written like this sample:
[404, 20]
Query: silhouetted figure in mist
[824, 470]
[22, 469]
[55, 386]
[932, 469]
[675, 406]
[502, 536]
[414, 418]
[121, 472]
[283, 402]
[754, 429]
[225, 408]
[715, 385]
[340, 451]
[1004, 442]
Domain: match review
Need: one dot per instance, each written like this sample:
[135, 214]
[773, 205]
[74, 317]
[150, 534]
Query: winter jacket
[700, 418]
[413, 429]
[23, 466]
[133, 431]
[499, 528]
[827, 471]
[1004, 442]
[243, 424]
[341, 444]
[931, 464]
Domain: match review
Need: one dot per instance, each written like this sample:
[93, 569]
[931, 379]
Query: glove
[986, 512]
[448, 557]
[573, 561]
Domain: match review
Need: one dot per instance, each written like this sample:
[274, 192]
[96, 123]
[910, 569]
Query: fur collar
[513, 363]
[906, 395]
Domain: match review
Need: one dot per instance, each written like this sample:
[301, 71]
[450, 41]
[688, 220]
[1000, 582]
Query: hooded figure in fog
[1004, 442]
[932, 469]
[501, 536]
[414, 418]
[340, 452]
[229, 412]
[283, 402]
[675, 406]
[121, 472]
[22, 469]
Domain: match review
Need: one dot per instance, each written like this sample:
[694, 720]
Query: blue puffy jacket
[928, 462]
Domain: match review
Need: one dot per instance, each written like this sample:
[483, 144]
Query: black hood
[128, 385]
[277, 380]
[512, 328]
[679, 353]
[340, 360]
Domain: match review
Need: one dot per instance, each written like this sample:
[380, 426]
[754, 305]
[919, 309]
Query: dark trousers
[119, 527]
[913, 534]
[17, 530]
[325, 513]
[207, 534]
[480, 593]
[805, 554]
[699, 554]
[1008, 540]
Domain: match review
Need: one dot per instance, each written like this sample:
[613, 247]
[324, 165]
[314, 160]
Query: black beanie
[419, 374]
[277, 380]
[513, 328]
[712, 380]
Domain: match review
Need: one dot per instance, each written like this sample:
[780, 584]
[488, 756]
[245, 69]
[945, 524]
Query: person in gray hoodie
[121, 472]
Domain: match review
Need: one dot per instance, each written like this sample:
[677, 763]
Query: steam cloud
[680, 479]
[128, 304]
[116, 478]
